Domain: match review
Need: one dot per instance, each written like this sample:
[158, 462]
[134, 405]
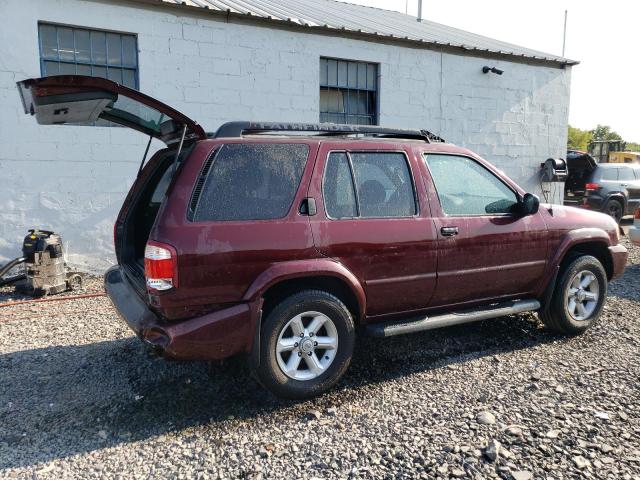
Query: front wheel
[579, 296]
[306, 345]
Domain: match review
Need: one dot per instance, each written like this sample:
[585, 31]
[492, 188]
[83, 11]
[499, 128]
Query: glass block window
[80, 51]
[348, 92]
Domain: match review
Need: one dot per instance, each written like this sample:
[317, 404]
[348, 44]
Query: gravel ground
[81, 397]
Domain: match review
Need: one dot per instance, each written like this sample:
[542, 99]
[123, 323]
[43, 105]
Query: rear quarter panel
[218, 261]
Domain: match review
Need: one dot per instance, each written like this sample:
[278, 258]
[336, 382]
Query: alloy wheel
[582, 295]
[307, 346]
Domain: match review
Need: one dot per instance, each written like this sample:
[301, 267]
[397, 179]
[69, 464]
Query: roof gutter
[290, 24]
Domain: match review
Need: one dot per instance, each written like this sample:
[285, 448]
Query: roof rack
[238, 129]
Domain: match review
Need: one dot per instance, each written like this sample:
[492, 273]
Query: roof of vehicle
[618, 165]
[240, 129]
[339, 18]
[351, 143]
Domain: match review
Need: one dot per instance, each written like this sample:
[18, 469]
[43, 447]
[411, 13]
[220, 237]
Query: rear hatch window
[250, 182]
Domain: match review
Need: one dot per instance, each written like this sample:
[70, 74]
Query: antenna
[419, 10]
[564, 35]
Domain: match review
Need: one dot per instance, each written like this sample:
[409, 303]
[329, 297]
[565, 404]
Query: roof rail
[238, 129]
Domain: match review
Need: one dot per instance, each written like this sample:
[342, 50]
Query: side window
[251, 182]
[339, 196]
[383, 183]
[467, 188]
[609, 174]
[383, 186]
[626, 174]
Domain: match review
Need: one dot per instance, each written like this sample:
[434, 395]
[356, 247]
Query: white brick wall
[73, 179]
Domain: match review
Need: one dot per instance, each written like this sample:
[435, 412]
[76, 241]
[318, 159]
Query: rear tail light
[160, 266]
[636, 216]
[592, 186]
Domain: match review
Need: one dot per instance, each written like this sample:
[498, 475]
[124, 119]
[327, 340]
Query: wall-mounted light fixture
[495, 70]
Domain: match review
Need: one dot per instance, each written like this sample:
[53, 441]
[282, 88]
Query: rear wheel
[579, 296]
[306, 345]
[614, 209]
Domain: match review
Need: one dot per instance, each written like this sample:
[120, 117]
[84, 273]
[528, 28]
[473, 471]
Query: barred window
[80, 51]
[348, 92]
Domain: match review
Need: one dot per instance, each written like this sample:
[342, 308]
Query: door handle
[449, 231]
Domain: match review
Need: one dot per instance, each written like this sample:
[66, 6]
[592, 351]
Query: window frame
[416, 200]
[433, 182]
[374, 114]
[191, 216]
[135, 68]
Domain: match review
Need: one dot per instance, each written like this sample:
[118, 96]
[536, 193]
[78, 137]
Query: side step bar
[389, 329]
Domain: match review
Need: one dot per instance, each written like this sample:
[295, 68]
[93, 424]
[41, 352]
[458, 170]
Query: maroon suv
[277, 241]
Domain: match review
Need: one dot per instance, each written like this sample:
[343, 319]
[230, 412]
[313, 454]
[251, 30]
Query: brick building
[221, 60]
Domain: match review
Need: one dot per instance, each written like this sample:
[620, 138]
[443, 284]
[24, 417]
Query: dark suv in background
[281, 241]
[612, 188]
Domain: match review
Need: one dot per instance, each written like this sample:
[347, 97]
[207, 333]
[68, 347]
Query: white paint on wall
[74, 179]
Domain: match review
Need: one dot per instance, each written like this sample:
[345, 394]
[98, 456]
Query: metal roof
[333, 16]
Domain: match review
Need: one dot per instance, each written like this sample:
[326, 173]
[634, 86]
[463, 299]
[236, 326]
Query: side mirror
[530, 204]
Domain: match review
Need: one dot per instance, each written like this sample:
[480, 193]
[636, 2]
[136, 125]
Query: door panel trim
[511, 266]
[407, 278]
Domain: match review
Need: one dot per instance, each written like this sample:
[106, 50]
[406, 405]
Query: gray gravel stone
[486, 418]
[522, 475]
[406, 409]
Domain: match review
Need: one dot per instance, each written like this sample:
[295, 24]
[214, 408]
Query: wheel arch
[284, 279]
[589, 241]
[586, 241]
[620, 197]
[597, 249]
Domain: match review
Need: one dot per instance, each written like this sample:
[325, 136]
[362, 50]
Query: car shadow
[628, 285]
[65, 400]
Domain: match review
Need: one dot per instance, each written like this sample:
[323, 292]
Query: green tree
[578, 139]
[604, 132]
[633, 147]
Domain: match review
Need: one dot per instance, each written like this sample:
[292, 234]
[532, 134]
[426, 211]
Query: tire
[318, 369]
[586, 273]
[614, 209]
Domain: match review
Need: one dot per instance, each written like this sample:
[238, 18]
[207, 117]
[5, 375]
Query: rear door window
[382, 188]
[251, 182]
[626, 174]
[609, 174]
[339, 193]
[383, 183]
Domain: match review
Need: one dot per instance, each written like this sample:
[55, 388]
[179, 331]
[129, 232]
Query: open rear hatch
[76, 99]
[580, 165]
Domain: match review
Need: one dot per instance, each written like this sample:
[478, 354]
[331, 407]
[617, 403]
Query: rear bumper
[619, 256]
[593, 202]
[214, 336]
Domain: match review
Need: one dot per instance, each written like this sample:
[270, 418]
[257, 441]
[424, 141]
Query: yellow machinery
[624, 157]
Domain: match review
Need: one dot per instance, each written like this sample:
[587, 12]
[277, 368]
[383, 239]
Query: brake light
[160, 266]
[592, 186]
[636, 216]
